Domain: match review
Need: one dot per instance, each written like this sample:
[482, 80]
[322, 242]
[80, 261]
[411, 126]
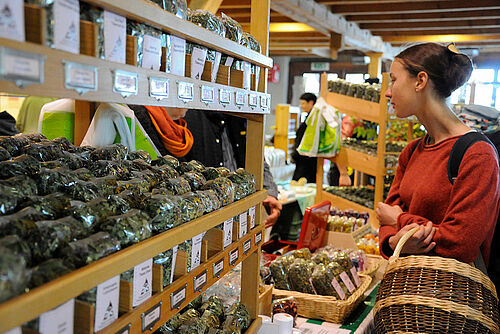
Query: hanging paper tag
[312, 286]
[239, 98]
[80, 77]
[198, 57]
[224, 96]
[247, 71]
[23, 68]
[338, 288]
[200, 281]
[251, 213]
[243, 226]
[16, 330]
[228, 232]
[196, 251]
[158, 88]
[258, 238]
[178, 54]
[151, 53]
[12, 19]
[246, 246]
[106, 308]
[126, 83]
[354, 273]
[252, 100]
[67, 25]
[257, 76]
[218, 268]
[215, 66]
[233, 256]
[143, 277]
[174, 259]
[150, 317]
[229, 61]
[178, 297]
[184, 91]
[347, 281]
[58, 320]
[115, 37]
[207, 94]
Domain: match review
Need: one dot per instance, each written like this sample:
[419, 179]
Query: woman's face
[402, 90]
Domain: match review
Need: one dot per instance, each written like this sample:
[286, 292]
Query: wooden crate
[84, 317]
[88, 38]
[223, 75]
[345, 240]
[236, 78]
[131, 50]
[35, 25]
[266, 301]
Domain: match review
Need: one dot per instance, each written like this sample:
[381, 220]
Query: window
[483, 94]
[357, 78]
[332, 76]
[311, 83]
[483, 75]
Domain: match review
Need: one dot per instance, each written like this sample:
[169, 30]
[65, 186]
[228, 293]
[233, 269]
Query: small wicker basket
[325, 307]
[374, 262]
[431, 294]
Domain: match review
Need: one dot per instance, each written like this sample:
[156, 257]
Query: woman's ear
[422, 81]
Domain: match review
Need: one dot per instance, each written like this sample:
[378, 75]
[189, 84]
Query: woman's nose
[388, 93]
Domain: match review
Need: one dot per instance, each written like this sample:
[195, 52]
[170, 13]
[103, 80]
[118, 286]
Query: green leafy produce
[164, 211]
[14, 276]
[191, 166]
[191, 206]
[21, 165]
[82, 252]
[196, 180]
[166, 160]
[48, 271]
[224, 189]
[128, 228]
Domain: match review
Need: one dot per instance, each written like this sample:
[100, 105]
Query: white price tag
[243, 226]
[142, 284]
[178, 297]
[224, 96]
[258, 238]
[257, 76]
[125, 83]
[233, 256]
[174, 260]
[151, 53]
[178, 54]
[115, 37]
[239, 98]
[229, 61]
[58, 320]
[21, 67]
[251, 213]
[185, 91]
[158, 88]
[218, 268]
[228, 232]
[67, 25]
[196, 251]
[200, 281]
[150, 317]
[198, 57]
[247, 77]
[347, 281]
[12, 19]
[247, 245]
[354, 273]
[80, 77]
[215, 66]
[338, 288]
[263, 102]
[253, 100]
[207, 94]
[16, 330]
[108, 297]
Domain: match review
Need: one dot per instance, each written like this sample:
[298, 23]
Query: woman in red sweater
[455, 220]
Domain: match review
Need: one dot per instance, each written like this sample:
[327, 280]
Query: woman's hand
[388, 215]
[420, 243]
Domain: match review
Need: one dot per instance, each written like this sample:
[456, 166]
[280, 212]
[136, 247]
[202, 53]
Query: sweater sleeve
[472, 212]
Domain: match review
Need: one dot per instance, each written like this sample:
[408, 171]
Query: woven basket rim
[377, 262]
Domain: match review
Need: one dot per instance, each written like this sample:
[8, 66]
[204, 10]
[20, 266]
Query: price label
[228, 232]
[158, 88]
[263, 102]
[338, 288]
[252, 100]
[23, 68]
[196, 250]
[224, 96]
[178, 297]
[207, 94]
[218, 268]
[12, 20]
[184, 91]
[200, 281]
[80, 77]
[233, 256]
[142, 282]
[243, 227]
[246, 246]
[150, 317]
[125, 83]
[239, 98]
[347, 281]
[107, 300]
[251, 213]
[124, 330]
[174, 259]
[258, 238]
[354, 273]
[58, 320]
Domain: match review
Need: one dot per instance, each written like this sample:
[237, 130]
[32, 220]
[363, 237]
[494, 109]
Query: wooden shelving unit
[250, 104]
[287, 123]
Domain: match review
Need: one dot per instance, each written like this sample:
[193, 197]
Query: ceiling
[474, 25]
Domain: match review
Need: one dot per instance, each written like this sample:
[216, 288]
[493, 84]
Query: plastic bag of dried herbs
[48, 271]
[214, 305]
[279, 270]
[209, 200]
[106, 184]
[133, 199]
[21, 223]
[165, 172]
[177, 186]
[164, 211]
[166, 160]
[176, 7]
[140, 154]
[14, 275]
[14, 190]
[344, 260]
[244, 183]
[14, 144]
[63, 143]
[165, 260]
[4, 154]
[43, 151]
[153, 179]
[187, 247]
[82, 212]
[210, 319]
[53, 164]
[191, 166]
[73, 160]
[321, 258]
[224, 189]
[128, 228]
[21, 165]
[211, 173]
[196, 180]
[177, 322]
[85, 251]
[299, 275]
[82, 190]
[231, 325]
[233, 28]
[194, 326]
[322, 281]
[105, 167]
[136, 185]
[303, 253]
[191, 206]
[110, 206]
[240, 311]
[95, 15]
[17, 246]
[139, 30]
[115, 152]
[53, 180]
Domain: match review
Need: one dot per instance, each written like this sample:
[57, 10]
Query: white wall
[278, 92]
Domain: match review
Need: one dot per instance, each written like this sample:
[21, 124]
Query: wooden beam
[461, 31]
[294, 34]
[366, 2]
[421, 17]
[375, 66]
[441, 38]
[299, 45]
[211, 5]
[335, 44]
[232, 4]
[259, 28]
[463, 24]
[294, 39]
[415, 7]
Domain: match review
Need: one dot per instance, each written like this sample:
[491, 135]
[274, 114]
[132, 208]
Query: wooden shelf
[27, 306]
[359, 161]
[358, 108]
[54, 86]
[345, 204]
[134, 317]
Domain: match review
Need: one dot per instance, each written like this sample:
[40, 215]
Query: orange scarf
[176, 137]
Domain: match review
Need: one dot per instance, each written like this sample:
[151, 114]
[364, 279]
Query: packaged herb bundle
[210, 319]
[165, 172]
[43, 151]
[18, 247]
[164, 211]
[303, 253]
[82, 252]
[165, 259]
[279, 269]
[224, 189]
[211, 173]
[234, 31]
[231, 325]
[153, 179]
[321, 258]
[74, 160]
[139, 154]
[14, 190]
[14, 144]
[14, 276]
[148, 44]
[187, 247]
[214, 305]
[82, 212]
[48, 271]
[191, 166]
[299, 275]
[209, 200]
[82, 190]
[166, 160]
[106, 184]
[115, 152]
[136, 185]
[176, 7]
[133, 199]
[223, 171]
[106, 167]
[53, 180]
[183, 318]
[128, 228]
[4, 154]
[196, 180]
[241, 313]
[191, 206]
[20, 165]
[244, 183]
[110, 206]
[21, 223]
[322, 280]
[177, 186]
[194, 326]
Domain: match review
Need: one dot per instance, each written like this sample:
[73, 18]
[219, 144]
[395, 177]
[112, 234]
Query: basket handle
[402, 242]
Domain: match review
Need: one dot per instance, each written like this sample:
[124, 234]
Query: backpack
[456, 155]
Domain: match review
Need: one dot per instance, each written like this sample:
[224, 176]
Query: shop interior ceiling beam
[336, 42]
[473, 31]
[235, 4]
[210, 5]
[423, 25]
[437, 17]
[441, 38]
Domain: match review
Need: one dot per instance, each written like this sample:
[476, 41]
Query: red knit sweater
[465, 212]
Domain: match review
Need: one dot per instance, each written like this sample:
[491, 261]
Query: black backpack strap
[414, 147]
[458, 151]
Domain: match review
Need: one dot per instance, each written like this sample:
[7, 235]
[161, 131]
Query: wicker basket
[325, 307]
[374, 262]
[431, 294]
